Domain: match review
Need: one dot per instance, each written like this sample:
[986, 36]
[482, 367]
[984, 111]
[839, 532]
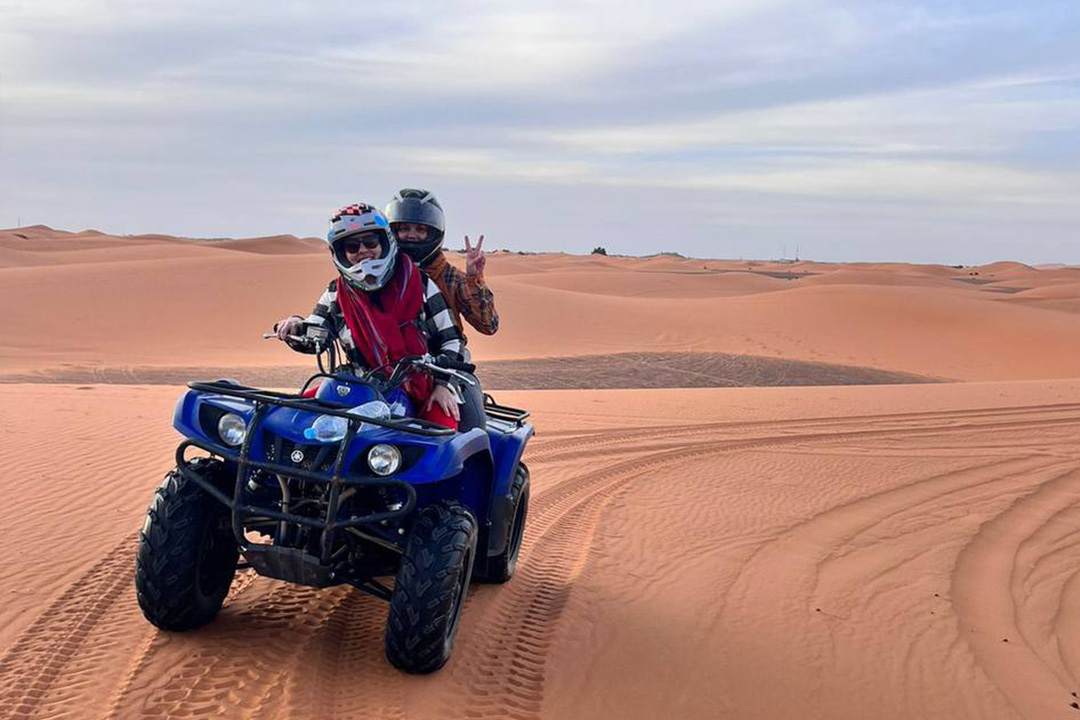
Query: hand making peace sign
[474, 259]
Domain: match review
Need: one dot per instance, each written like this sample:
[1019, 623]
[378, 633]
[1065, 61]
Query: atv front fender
[506, 451]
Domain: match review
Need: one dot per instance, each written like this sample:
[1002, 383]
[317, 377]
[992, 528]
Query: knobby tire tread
[424, 600]
[167, 561]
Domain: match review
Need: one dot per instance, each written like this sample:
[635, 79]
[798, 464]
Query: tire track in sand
[501, 672]
[260, 659]
[38, 658]
[330, 655]
[344, 674]
[553, 450]
[143, 659]
[244, 657]
[1032, 668]
[61, 664]
[831, 592]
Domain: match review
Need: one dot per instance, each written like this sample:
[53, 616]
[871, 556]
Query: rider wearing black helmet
[417, 220]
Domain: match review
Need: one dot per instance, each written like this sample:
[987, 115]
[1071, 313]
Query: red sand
[900, 551]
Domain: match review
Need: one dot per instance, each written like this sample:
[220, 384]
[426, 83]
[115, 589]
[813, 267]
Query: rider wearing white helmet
[364, 224]
[381, 306]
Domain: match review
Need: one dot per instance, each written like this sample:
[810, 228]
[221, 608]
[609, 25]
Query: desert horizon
[283, 242]
[759, 489]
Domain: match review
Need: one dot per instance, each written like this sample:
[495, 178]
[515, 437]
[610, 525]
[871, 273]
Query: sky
[945, 131]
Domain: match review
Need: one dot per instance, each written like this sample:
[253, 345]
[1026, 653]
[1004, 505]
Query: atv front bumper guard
[263, 400]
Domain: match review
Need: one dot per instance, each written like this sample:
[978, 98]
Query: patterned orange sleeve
[476, 303]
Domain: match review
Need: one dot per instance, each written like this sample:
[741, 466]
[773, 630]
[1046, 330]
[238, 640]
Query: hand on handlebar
[291, 325]
[437, 366]
[447, 367]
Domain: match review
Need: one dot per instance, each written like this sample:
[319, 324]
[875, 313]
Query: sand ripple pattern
[913, 545]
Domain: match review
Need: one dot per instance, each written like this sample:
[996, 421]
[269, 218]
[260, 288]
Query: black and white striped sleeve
[324, 308]
[445, 334]
[321, 316]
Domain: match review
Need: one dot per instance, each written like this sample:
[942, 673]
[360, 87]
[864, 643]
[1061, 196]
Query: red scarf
[385, 336]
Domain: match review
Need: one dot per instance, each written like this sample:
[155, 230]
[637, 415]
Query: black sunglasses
[353, 245]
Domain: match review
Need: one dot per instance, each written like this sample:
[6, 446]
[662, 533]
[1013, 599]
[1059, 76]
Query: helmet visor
[415, 210]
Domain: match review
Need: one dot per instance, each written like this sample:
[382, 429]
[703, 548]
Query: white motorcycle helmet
[352, 220]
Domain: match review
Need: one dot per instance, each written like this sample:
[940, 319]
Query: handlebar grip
[450, 364]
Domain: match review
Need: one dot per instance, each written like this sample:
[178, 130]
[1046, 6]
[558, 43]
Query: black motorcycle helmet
[412, 205]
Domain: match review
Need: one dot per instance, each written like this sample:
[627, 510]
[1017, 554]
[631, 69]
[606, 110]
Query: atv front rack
[290, 563]
[271, 397]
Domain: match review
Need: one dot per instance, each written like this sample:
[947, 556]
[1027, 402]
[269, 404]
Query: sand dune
[36, 231]
[1063, 297]
[41, 245]
[162, 294]
[1062, 291]
[98, 252]
[277, 245]
[891, 328]
[878, 277]
[620, 282]
[898, 550]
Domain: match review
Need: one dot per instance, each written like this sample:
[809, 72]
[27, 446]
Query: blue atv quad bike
[340, 487]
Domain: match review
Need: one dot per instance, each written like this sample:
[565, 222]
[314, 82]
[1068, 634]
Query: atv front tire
[500, 568]
[187, 553]
[430, 588]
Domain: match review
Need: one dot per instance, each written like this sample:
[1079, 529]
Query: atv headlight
[232, 429]
[384, 459]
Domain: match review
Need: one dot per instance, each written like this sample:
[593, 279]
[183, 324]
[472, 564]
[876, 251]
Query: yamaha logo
[297, 456]
[342, 390]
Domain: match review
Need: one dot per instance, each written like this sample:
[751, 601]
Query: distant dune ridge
[971, 323]
[835, 492]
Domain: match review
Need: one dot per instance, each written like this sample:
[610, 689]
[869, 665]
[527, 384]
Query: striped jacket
[444, 337]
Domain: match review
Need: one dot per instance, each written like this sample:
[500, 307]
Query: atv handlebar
[311, 336]
[451, 364]
[315, 338]
[439, 366]
[301, 339]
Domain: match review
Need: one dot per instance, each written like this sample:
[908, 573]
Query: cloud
[964, 119]
[793, 115]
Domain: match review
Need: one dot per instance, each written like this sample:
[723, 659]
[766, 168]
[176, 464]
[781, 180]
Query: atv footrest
[290, 564]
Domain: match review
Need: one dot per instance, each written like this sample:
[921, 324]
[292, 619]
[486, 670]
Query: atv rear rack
[504, 412]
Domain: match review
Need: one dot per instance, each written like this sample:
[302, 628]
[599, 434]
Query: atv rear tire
[500, 568]
[187, 553]
[430, 588]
